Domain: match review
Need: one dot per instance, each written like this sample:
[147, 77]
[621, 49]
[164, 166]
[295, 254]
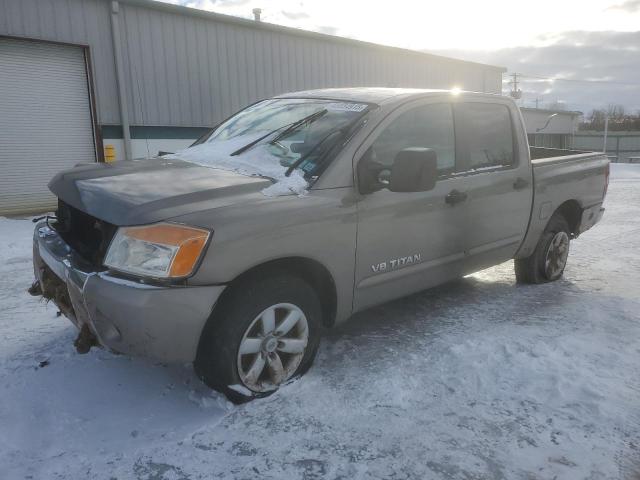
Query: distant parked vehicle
[299, 211]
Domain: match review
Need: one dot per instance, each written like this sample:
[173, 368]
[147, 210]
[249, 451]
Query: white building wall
[184, 67]
[141, 148]
[190, 68]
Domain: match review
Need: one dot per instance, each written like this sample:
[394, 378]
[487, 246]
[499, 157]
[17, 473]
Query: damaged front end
[125, 315]
[51, 288]
[64, 287]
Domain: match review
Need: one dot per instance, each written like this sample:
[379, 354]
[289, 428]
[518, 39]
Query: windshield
[289, 140]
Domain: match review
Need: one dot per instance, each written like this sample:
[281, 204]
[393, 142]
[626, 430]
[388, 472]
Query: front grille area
[88, 236]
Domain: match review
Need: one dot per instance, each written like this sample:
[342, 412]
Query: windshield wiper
[288, 129]
[296, 164]
[351, 128]
[296, 125]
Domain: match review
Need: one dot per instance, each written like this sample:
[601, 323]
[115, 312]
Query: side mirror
[414, 170]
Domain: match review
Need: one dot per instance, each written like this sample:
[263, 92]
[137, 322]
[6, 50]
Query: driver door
[409, 241]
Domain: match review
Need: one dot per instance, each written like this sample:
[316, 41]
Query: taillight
[606, 180]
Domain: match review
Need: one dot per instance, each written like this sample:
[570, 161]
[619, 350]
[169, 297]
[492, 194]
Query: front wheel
[265, 332]
[548, 260]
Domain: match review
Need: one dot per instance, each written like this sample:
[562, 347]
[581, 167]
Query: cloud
[630, 6]
[591, 69]
[295, 15]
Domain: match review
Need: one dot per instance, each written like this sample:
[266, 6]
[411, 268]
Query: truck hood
[145, 191]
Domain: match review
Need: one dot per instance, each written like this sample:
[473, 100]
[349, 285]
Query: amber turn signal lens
[185, 260]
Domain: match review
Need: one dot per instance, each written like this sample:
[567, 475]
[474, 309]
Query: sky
[575, 54]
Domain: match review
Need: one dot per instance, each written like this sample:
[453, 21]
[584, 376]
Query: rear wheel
[265, 332]
[548, 260]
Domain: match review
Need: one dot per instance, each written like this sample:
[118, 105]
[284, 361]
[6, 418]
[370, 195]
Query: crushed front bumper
[161, 322]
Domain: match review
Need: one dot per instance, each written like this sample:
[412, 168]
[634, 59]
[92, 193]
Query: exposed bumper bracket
[85, 340]
[35, 290]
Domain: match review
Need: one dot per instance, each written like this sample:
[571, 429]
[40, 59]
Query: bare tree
[618, 119]
[615, 111]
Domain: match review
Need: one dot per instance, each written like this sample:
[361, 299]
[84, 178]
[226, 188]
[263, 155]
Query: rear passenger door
[497, 181]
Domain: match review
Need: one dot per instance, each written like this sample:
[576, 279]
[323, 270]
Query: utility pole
[606, 131]
[515, 92]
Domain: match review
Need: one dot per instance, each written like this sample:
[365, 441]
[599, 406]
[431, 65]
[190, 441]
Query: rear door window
[484, 136]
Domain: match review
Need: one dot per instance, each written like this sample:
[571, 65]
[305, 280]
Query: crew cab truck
[186, 258]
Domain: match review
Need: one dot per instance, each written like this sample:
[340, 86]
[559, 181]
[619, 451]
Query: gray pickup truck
[298, 211]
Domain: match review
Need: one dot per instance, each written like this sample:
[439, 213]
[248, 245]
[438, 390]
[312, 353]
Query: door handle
[520, 183]
[454, 197]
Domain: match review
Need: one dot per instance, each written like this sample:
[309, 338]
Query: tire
[548, 260]
[239, 320]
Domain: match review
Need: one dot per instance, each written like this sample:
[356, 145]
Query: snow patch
[241, 389]
[478, 378]
[257, 161]
[627, 171]
[210, 400]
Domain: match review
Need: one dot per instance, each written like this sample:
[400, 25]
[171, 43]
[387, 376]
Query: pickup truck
[288, 217]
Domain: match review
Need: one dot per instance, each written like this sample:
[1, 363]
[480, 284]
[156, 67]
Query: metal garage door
[45, 120]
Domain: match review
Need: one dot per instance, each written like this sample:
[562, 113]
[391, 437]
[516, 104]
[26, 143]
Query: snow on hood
[256, 161]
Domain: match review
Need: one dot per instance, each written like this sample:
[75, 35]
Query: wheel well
[309, 270]
[572, 212]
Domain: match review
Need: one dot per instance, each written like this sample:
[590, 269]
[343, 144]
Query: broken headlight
[163, 250]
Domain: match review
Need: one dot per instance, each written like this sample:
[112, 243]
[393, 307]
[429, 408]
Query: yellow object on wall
[109, 153]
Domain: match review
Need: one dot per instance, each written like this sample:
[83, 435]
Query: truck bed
[563, 177]
[557, 155]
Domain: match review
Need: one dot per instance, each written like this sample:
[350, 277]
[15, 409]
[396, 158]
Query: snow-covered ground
[478, 379]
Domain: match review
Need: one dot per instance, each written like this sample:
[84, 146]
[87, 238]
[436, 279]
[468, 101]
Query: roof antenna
[256, 14]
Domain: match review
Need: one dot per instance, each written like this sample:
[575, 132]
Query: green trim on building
[110, 132]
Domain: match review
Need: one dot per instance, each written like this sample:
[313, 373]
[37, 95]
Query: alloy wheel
[272, 348]
[556, 257]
